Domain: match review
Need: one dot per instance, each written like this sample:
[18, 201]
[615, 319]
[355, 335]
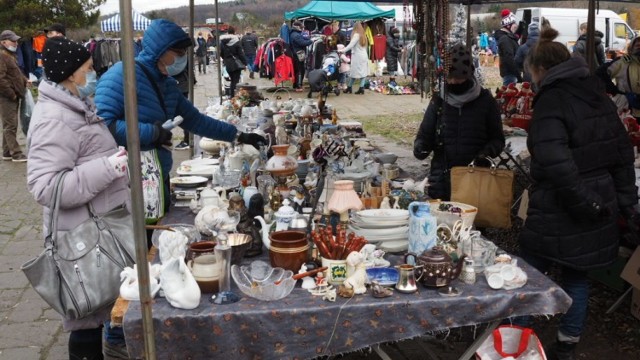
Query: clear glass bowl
[188, 230]
[258, 280]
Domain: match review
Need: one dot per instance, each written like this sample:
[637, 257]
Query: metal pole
[191, 64]
[137, 201]
[469, 32]
[219, 59]
[591, 33]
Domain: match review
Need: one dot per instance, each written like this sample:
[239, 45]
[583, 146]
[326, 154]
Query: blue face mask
[179, 63]
[89, 88]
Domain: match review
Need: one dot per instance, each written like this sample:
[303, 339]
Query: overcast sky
[113, 6]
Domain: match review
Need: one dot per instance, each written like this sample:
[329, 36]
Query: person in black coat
[298, 46]
[232, 57]
[464, 126]
[507, 48]
[393, 52]
[581, 45]
[583, 177]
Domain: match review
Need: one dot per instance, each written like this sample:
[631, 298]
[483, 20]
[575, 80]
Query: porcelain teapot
[283, 218]
[210, 196]
[438, 267]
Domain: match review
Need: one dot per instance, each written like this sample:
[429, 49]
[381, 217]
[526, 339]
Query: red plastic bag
[511, 342]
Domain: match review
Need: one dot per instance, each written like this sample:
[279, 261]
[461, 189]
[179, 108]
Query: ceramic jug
[422, 227]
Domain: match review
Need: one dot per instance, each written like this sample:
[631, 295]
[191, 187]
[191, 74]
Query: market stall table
[305, 326]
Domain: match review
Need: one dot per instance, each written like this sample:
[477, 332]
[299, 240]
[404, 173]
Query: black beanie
[461, 62]
[62, 57]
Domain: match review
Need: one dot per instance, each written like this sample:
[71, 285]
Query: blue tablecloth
[303, 326]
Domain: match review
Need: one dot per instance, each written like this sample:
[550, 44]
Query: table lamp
[343, 199]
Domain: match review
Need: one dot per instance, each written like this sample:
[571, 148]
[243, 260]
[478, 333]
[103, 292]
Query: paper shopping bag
[488, 189]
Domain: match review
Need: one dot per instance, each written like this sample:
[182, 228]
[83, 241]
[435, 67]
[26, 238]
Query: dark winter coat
[230, 51]
[393, 51]
[250, 44]
[202, 47]
[523, 51]
[581, 47]
[467, 132]
[507, 47]
[297, 41]
[582, 168]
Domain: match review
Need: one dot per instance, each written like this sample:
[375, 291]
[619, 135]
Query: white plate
[188, 181]
[380, 224]
[198, 162]
[380, 239]
[196, 170]
[394, 246]
[383, 214]
[378, 232]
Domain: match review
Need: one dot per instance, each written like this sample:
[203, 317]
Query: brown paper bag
[488, 189]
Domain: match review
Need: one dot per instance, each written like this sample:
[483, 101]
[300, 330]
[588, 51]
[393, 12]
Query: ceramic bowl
[386, 158]
[258, 280]
[383, 276]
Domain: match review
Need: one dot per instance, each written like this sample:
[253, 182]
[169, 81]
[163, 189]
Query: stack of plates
[388, 228]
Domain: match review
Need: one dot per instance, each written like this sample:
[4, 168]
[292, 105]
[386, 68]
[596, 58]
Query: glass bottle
[468, 275]
[223, 257]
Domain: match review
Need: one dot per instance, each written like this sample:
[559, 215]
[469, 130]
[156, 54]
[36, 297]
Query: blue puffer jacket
[109, 99]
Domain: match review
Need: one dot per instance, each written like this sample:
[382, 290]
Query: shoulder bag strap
[54, 208]
[154, 84]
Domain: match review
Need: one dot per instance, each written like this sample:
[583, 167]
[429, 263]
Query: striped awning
[112, 24]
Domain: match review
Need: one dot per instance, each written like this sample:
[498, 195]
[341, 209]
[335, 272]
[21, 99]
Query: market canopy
[340, 10]
[112, 24]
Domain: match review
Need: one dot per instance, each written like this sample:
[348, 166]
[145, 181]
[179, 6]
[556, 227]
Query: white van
[617, 33]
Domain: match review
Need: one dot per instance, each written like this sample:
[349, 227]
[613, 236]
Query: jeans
[250, 62]
[509, 79]
[202, 65]
[576, 284]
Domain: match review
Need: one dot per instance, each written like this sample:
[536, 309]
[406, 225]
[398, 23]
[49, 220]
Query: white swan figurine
[179, 286]
[129, 289]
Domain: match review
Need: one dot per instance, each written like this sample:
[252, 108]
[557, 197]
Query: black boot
[86, 344]
[348, 90]
[309, 94]
[561, 350]
[360, 91]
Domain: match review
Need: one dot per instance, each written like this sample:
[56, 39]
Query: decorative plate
[383, 276]
[200, 161]
[188, 181]
[196, 170]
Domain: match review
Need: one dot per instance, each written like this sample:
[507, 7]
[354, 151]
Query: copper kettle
[438, 267]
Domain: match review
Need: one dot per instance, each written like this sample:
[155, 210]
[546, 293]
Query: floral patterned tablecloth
[303, 326]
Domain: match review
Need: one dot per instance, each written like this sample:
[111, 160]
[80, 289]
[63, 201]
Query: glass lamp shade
[281, 163]
[344, 198]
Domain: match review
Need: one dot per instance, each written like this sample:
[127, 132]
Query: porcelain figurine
[129, 289]
[179, 286]
[307, 281]
[251, 226]
[379, 291]
[357, 280]
[172, 245]
[386, 203]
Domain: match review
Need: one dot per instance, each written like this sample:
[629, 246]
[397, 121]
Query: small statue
[307, 281]
[379, 291]
[386, 203]
[345, 292]
[297, 198]
[357, 280]
[256, 208]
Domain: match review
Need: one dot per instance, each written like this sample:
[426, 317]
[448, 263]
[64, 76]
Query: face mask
[89, 88]
[12, 48]
[178, 65]
[458, 89]
[396, 35]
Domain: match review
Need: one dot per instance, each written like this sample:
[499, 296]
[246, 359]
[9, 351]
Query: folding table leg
[471, 350]
[383, 355]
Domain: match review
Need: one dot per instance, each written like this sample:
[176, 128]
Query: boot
[561, 350]
[348, 90]
[360, 91]
[85, 345]
[251, 75]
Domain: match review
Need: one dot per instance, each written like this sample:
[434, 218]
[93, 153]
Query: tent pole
[191, 64]
[133, 147]
[219, 59]
[591, 33]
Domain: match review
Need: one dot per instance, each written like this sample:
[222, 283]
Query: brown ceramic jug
[438, 267]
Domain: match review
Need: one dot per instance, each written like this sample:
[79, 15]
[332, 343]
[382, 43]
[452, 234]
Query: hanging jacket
[283, 69]
[581, 164]
[158, 38]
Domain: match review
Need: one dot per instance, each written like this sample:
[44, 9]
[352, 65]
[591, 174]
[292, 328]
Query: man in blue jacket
[164, 55]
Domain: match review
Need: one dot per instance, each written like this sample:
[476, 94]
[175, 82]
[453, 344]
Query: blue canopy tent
[339, 10]
[112, 24]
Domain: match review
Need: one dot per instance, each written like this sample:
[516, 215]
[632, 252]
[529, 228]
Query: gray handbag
[78, 273]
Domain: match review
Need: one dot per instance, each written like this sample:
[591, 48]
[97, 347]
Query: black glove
[252, 139]
[418, 150]
[161, 136]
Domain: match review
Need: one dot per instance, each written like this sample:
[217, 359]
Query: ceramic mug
[336, 272]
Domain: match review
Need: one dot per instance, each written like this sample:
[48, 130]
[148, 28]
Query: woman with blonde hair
[359, 57]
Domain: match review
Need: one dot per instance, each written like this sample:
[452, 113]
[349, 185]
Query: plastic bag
[511, 342]
[26, 109]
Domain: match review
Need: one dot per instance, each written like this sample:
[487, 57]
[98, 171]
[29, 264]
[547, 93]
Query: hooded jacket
[230, 50]
[469, 129]
[507, 47]
[533, 34]
[393, 50]
[581, 47]
[12, 82]
[250, 43]
[66, 134]
[297, 41]
[158, 38]
[582, 170]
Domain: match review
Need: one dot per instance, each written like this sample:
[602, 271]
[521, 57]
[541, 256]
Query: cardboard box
[635, 303]
[631, 272]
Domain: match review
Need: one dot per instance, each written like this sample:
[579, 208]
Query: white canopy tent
[112, 24]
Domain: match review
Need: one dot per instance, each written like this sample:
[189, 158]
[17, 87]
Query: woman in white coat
[359, 57]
